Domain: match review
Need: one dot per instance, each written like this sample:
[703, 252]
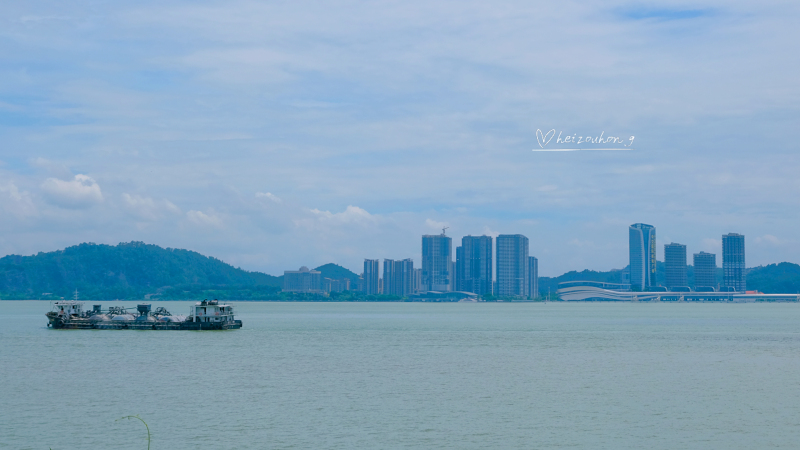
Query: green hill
[126, 271]
[783, 278]
[337, 272]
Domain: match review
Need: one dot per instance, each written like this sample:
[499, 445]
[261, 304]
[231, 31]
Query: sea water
[410, 375]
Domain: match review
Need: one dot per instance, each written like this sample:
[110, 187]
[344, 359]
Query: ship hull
[86, 324]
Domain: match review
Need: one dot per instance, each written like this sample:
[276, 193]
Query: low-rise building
[303, 280]
[334, 285]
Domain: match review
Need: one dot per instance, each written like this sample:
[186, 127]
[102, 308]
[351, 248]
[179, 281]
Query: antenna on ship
[76, 294]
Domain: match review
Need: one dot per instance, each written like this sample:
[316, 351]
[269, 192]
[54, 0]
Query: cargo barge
[205, 315]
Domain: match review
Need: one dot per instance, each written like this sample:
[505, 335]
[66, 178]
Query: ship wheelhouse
[212, 311]
[68, 308]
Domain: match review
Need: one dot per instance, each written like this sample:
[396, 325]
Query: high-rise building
[398, 277]
[533, 277]
[642, 246]
[302, 280]
[418, 286]
[474, 267]
[458, 274]
[437, 262]
[675, 265]
[705, 270]
[371, 276]
[406, 277]
[733, 270]
[512, 265]
[389, 271]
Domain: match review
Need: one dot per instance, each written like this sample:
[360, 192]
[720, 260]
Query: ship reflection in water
[205, 315]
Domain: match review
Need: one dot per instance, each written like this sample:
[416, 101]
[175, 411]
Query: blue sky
[280, 134]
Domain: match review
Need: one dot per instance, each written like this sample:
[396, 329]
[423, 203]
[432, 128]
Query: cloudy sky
[280, 134]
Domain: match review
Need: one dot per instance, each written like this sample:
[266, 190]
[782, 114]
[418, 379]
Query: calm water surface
[411, 375]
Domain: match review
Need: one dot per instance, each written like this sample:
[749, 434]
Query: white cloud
[247, 65]
[200, 218]
[712, 245]
[631, 170]
[489, 232]
[579, 243]
[769, 239]
[81, 192]
[430, 223]
[30, 19]
[148, 209]
[16, 202]
[351, 215]
[269, 196]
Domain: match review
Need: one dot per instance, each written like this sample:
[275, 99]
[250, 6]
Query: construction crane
[444, 228]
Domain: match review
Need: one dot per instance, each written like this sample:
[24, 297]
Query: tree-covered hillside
[125, 271]
[337, 272]
[783, 278]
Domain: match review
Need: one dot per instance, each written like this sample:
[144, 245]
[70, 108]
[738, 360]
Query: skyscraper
[675, 265]
[458, 273]
[475, 268]
[389, 270]
[512, 265]
[406, 277]
[733, 269]
[371, 276]
[705, 270]
[437, 260]
[398, 277]
[533, 277]
[642, 246]
[418, 285]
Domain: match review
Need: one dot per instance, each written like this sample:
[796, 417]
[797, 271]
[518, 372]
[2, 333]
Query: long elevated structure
[597, 291]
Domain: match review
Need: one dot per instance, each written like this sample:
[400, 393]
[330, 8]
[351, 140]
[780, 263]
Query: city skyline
[517, 272]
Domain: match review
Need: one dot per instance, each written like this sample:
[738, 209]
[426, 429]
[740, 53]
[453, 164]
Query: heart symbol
[544, 139]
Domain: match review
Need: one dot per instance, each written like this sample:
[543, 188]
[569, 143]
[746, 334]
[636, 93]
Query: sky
[278, 134]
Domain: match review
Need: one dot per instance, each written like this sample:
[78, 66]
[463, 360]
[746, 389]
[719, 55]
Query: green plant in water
[145, 425]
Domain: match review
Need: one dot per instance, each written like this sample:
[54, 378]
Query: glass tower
[733, 270]
[705, 268]
[533, 277]
[371, 276]
[512, 265]
[642, 246]
[675, 265]
[398, 277]
[475, 264]
[437, 261]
